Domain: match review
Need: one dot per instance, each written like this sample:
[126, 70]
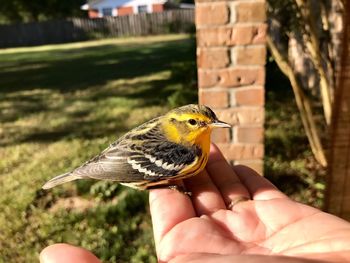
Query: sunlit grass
[95, 43]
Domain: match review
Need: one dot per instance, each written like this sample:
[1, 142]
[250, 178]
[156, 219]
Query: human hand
[202, 229]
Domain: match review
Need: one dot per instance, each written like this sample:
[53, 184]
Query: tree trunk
[338, 181]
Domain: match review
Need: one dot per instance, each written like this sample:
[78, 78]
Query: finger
[258, 186]
[225, 178]
[168, 208]
[64, 253]
[206, 197]
[217, 258]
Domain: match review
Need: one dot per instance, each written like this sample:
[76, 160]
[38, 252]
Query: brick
[207, 79]
[240, 76]
[253, 96]
[231, 77]
[241, 35]
[242, 151]
[219, 36]
[221, 135]
[248, 55]
[256, 165]
[212, 14]
[215, 99]
[227, 36]
[212, 57]
[230, 36]
[259, 34]
[249, 134]
[241, 115]
[249, 11]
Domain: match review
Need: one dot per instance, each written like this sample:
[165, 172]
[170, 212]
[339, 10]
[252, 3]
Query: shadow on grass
[71, 70]
[34, 83]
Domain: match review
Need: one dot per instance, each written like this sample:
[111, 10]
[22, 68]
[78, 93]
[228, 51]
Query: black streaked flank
[174, 153]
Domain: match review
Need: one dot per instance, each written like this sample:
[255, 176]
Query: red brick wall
[231, 55]
[157, 8]
[127, 10]
[93, 13]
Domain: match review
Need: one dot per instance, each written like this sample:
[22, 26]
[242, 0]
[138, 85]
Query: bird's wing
[111, 164]
[139, 156]
[162, 160]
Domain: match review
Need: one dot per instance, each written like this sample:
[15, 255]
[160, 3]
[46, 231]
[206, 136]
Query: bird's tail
[60, 179]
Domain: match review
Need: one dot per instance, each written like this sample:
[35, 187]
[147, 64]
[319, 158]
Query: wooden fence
[78, 29]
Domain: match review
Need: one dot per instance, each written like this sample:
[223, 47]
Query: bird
[156, 154]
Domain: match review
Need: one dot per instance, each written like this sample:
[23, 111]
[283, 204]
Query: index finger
[225, 178]
[168, 208]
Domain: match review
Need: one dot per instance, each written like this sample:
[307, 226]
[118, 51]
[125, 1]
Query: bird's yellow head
[191, 124]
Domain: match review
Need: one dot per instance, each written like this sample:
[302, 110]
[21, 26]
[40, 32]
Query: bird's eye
[192, 121]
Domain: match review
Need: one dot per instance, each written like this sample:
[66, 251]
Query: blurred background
[76, 75]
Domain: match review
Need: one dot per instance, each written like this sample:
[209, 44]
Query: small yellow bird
[156, 154]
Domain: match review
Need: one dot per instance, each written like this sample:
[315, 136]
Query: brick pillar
[231, 55]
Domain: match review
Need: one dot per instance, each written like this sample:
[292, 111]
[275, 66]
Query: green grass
[61, 105]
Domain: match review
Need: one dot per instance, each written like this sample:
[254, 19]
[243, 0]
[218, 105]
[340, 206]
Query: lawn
[62, 104]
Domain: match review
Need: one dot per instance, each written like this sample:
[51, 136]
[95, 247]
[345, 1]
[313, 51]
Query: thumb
[59, 253]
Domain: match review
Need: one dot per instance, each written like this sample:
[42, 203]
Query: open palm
[202, 229]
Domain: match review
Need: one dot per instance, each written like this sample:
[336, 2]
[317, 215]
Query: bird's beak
[220, 124]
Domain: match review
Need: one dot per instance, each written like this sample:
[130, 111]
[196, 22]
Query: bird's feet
[180, 188]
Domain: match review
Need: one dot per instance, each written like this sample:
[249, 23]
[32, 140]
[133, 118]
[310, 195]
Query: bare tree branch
[303, 103]
[313, 46]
